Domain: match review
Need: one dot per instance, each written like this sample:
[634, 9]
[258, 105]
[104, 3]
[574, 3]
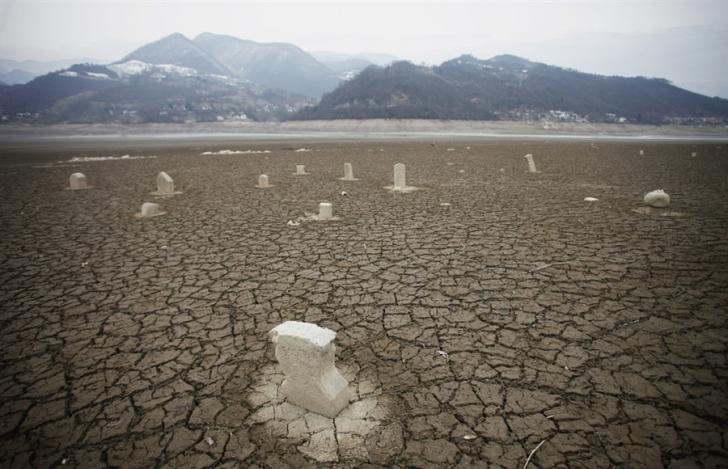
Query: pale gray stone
[657, 199]
[400, 181]
[348, 173]
[149, 209]
[165, 185]
[305, 353]
[77, 181]
[326, 211]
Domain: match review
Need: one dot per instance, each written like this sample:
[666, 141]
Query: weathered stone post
[77, 181]
[165, 185]
[348, 173]
[305, 353]
[300, 170]
[149, 209]
[400, 181]
[326, 211]
[531, 164]
[263, 181]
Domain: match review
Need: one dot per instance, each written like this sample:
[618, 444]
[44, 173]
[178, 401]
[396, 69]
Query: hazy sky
[421, 31]
[417, 30]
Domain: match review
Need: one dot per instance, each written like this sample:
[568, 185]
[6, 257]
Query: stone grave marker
[305, 353]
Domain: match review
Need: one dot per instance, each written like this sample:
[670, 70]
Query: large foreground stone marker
[305, 353]
[263, 181]
[300, 170]
[531, 164]
[326, 211]
[77, 182]
[165, 185]
[348, 173]
[657, 199]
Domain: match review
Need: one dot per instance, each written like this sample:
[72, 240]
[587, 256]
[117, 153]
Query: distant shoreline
[369, 129]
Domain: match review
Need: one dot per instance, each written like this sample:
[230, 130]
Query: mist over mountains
[277, 65]
[176, 49]
[694, 57]
[18, 72]
[216, 77]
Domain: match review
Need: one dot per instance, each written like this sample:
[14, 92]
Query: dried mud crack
[470, 332]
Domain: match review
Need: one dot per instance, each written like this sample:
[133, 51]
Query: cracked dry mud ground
[143, 343]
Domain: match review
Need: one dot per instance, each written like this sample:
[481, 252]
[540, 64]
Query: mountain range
[693, 57]
[218, 78]
[277, 66]
[137, 92]
[175, 79]
[510, 88]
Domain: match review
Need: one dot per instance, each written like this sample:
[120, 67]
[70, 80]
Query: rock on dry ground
[470, 332]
